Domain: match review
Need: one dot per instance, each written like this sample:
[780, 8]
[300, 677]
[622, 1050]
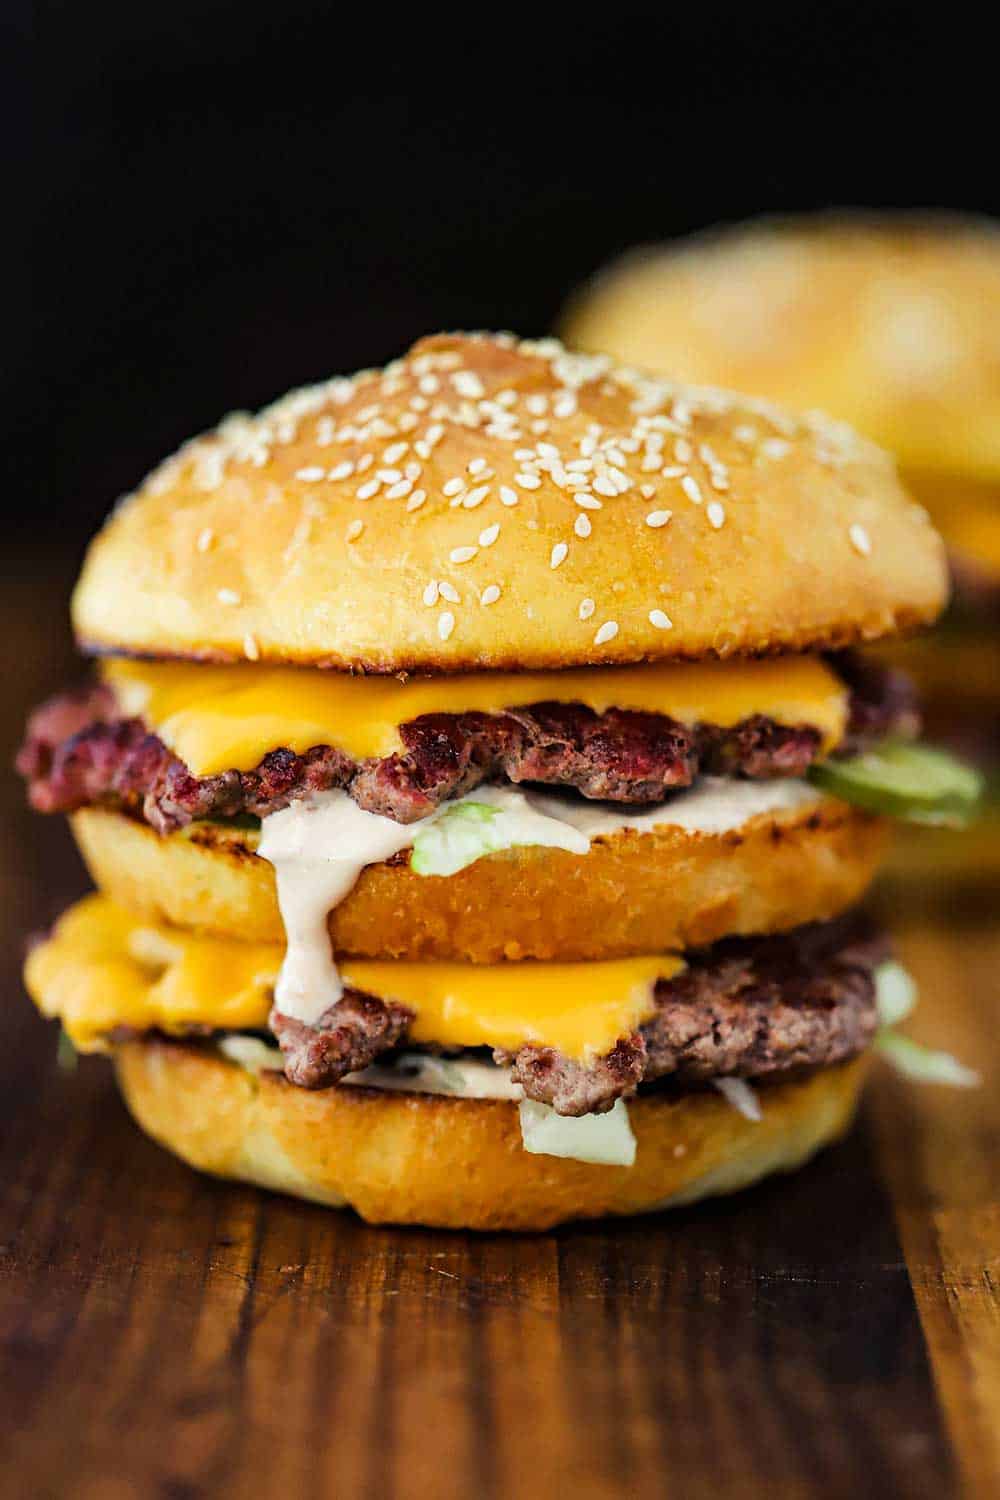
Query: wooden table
[836, 1333]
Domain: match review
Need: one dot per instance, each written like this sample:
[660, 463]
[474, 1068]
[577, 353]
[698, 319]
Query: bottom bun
[459, 1163]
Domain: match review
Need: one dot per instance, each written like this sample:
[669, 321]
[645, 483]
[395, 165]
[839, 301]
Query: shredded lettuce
[895, 997]
[923, 1064]
[895, 993]
[741, 1096]
[604, 1139]
[468, 830]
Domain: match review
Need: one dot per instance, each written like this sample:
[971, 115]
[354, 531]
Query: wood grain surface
[835, 1333]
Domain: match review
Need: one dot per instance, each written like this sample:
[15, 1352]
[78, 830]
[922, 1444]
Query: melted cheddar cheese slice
[228, 718]
[103, 968]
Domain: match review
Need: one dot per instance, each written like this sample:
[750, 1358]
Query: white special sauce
[318, 847]
[409, 1072]
[320, 844]
[717, 804]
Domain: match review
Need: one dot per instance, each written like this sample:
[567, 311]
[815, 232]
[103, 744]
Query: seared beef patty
[745, 1008]
[79, 751]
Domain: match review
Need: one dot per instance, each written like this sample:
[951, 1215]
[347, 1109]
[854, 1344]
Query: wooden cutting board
[835, 1333]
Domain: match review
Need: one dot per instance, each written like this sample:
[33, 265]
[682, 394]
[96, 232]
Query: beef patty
[80, 751]
[745, 1008]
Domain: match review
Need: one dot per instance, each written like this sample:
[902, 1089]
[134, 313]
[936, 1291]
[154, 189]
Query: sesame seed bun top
[485, 502]
[892, 324]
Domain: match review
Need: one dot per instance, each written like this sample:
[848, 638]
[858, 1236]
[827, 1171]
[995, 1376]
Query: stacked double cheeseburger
[470, 784]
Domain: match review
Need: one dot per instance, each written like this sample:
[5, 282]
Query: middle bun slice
[804, 858]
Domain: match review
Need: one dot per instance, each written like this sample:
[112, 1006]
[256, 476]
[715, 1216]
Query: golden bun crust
[891, 324]
[784, 534]
[632, 893]
[459, 1163]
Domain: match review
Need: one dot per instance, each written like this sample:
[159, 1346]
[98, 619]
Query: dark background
[232, 199]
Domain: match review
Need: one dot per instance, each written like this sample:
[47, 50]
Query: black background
[232, 199]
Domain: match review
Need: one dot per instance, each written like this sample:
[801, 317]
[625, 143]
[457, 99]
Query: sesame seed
[691, 488]
[311, 475]
[507, 495]
[860, 540]
[682, 451]
[489, 536]
[582, 525]
[228, 596]
[341, 471]
[607, 632]
[659, 620]
[399, 491]
[775, 448]
[389, 476]
[430, 595]
[558, 554]
[250, 648]
[355, 529]
[453, 486]
[462, 554]
[416, 500]
[715, 513]
[467, 384]
[490, 594]
[205, 539]
[393, 454]
[528, 481]
[476, 497]
[449, 592]
[604, 486]
[658, 518]
[446, 624]
[367, 490]
[476, 466]
[587, 607]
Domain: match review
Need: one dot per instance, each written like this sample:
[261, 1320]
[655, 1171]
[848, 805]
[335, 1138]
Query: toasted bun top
[489, 503]
[893, 325]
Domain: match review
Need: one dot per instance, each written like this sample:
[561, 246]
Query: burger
[893, 324]
[480, 776]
